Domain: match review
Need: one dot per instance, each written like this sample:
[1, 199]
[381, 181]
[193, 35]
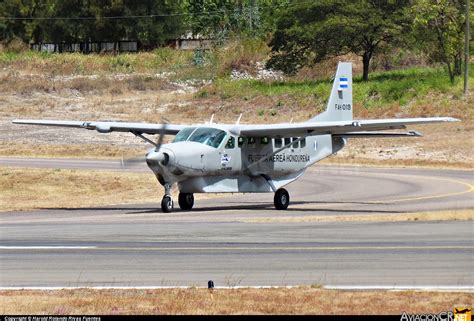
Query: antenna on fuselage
[212, 118]
[238, 120]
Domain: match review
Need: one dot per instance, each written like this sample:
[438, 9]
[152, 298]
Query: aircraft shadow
[269, 207]
[259, 207]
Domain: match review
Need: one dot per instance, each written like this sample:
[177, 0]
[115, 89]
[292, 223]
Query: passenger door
[230, 156]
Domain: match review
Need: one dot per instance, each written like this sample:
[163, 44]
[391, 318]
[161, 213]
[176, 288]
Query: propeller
[154, 155]
[134, 162]
[164, 124]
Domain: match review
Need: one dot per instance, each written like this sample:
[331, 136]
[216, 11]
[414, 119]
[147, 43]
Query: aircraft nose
[153, 158]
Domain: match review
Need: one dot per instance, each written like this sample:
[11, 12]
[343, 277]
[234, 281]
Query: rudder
[339, 106]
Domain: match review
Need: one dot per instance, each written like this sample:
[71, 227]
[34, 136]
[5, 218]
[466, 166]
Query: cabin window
[264, 140]
[295, 142]
[251, 141]
[278, 142]
[240, 141]
[230, 143]
[287, 141]
[303, 143]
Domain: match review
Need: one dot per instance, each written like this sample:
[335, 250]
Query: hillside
[226, 82]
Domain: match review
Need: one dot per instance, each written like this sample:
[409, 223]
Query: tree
[66, 24]
[308, 32]
[23, 28]
[151, 22]
[439, 27]
[219, 18]
[155, 30]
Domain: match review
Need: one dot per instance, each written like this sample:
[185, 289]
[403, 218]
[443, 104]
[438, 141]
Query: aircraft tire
[167, 204]
[281, 199]
[186, 201]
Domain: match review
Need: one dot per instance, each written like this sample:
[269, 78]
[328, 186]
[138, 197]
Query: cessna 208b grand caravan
[238, 158]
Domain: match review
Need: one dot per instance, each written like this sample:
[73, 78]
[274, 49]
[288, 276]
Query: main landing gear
[185, 200]
[281, 199]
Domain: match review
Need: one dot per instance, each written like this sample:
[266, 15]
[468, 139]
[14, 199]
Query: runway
[234, 241]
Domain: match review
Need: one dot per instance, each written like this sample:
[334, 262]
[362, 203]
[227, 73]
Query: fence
[87, 47]
[119, 46]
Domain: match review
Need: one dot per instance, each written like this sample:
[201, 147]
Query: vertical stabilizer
[340, 102]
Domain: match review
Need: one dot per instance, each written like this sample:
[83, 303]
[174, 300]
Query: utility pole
[467, 38]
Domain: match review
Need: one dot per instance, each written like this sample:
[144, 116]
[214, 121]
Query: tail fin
[340, 102]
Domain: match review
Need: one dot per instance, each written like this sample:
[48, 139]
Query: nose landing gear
[167, 204]
[167, 201]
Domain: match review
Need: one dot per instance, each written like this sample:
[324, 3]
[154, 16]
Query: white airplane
[238, 158]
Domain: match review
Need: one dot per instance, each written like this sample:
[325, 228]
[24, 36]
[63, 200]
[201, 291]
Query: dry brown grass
[94, 151]
[53, 188]
[302, 300]
[454, 215]
[33, 84]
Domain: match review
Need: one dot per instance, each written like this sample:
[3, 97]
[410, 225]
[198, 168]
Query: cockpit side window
[183, 134]
[208, 136]
[230, 143]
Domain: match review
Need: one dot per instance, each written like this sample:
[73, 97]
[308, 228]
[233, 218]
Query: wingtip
[452, 119]
[18, 121]
[415, 133]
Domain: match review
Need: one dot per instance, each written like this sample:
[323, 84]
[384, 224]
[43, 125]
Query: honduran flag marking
[343, 82]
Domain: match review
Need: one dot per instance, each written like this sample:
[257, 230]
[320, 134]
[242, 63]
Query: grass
[397, 91]
[80, 64]
[181, 63]
[97, 151]
[454, 215]
[59, 188]
[300, 300]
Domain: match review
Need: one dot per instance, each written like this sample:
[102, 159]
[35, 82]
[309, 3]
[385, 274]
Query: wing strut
[146, 139]
[270, 182]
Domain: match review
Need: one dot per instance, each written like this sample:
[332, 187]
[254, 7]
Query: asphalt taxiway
[233, 240]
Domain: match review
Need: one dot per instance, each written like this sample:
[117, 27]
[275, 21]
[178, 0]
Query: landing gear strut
[186, 201]
[167, 201]
[281, 199]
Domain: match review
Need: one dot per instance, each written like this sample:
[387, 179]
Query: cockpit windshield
[209, 136]
[183, 134]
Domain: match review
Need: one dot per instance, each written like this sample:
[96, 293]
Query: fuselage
[211, 159]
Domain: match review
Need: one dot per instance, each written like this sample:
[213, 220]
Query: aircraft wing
[107, 127]
[332, 127]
